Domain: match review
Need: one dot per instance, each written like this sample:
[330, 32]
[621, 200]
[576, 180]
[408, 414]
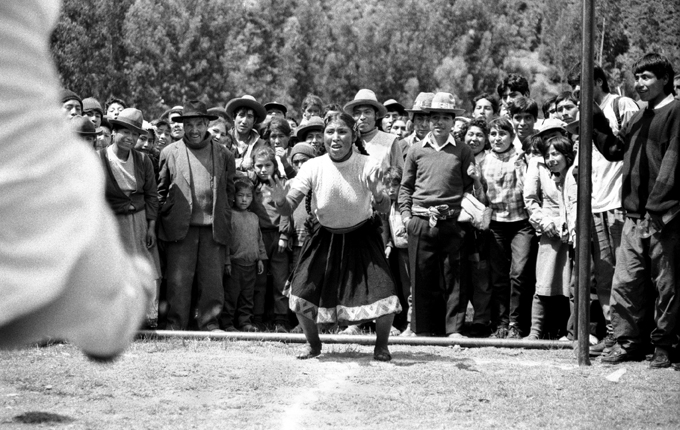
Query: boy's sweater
[247, 246]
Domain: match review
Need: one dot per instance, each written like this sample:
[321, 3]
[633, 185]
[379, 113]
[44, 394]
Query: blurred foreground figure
[63, 271]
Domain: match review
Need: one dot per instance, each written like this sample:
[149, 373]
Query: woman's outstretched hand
[276, 190]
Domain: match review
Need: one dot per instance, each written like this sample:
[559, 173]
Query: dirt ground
[260, 385]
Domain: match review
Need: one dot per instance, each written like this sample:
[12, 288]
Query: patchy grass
[236, 384]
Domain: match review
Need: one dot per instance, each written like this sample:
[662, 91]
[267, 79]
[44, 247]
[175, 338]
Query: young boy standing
[244, 263]
[435, 179]
[646, 279]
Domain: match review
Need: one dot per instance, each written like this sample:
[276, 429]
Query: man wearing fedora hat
[93, 110]
[381, 147]
[196, 190]
[420, 119]
[275, 109]
[434, 181]
[394, 110]
[85, 129]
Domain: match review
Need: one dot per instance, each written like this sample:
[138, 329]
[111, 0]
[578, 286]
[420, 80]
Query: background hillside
[157, 53]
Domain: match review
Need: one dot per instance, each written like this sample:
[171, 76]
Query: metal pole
[355, 339]
[584, 216]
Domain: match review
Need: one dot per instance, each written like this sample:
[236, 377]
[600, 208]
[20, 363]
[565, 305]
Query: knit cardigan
[144, 197]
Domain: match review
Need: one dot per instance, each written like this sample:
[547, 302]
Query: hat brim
[127, 125]
[456, 112]
[304, 129]
[278, 106]
[396, 107]
[234, 104]
[349, 107]
[182, 118]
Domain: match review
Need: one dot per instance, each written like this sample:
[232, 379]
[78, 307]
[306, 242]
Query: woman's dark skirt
[343, 278]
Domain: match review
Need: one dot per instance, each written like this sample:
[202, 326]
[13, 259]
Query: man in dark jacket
[196, 191]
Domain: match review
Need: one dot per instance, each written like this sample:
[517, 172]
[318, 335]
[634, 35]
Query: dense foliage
[157, 53]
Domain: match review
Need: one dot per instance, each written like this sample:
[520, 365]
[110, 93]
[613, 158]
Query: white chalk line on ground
[329, 380]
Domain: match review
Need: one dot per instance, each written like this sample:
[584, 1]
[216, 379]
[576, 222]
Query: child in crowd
[460, 128]
[543, 193]
[523, 113]
[312, 106]
[245, 261]
[301, 153]
[396, 246]
[476, 243]
[275, 232]
[511, 253]
[219, 129]
[162, 128]
[277, 132]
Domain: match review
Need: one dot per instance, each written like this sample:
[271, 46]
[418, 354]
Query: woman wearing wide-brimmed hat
[132, 193]
[246, 112]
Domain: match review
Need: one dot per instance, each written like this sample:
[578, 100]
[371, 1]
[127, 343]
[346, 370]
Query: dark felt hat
[220, 112]
[130, 118]
[83, 126]
[249, 102]
[276, 105]
[394, 106]
[194, 109]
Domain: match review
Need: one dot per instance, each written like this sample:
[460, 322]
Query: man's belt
[435, 213]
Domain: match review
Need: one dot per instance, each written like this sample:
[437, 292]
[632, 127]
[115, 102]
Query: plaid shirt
[503, 178]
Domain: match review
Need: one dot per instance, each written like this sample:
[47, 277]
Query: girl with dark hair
[276, 232]
[277, 133]
[342, 275]
[543, 196]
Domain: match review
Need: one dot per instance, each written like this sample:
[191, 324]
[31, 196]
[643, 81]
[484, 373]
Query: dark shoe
[660, 360]
[604, 346]
[250, 328]
[514, 333]
[381, 354]
[620, 355]
[479, 330]
[309, 352]
[500, 333]
[231, 328]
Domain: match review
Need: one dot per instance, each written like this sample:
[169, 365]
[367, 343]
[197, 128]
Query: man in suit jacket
[196, 191]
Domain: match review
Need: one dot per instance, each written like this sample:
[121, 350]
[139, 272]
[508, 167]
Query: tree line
[158, 53]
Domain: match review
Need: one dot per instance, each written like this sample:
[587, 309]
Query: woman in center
[342, 275]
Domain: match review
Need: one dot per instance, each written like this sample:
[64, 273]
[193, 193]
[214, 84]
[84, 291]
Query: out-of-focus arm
[63, 271]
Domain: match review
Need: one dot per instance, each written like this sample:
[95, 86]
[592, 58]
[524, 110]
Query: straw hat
[130, 118]
[551, 124]
[422, 102]
[365, 97]
[248, 102]
[444, 103]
